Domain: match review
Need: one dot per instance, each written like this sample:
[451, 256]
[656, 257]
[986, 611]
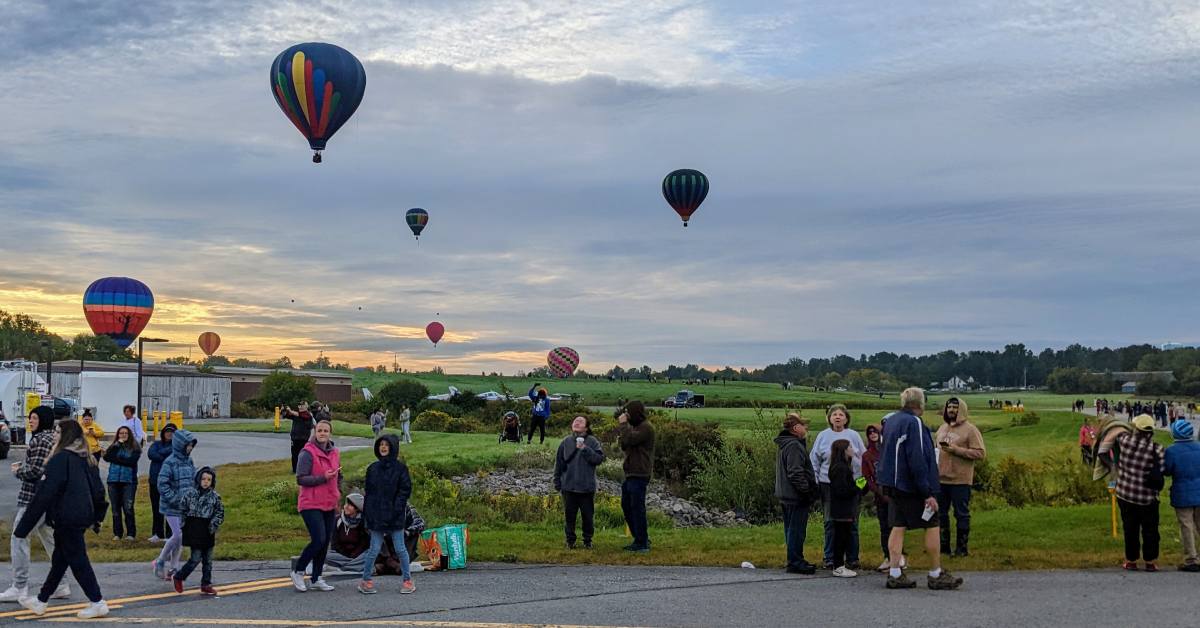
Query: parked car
[684, 399]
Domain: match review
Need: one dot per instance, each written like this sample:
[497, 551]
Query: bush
[464, 425]
[737, 476]
[282, 388]
[400, 394]
[243, 410]
[466, 402]
[676, 444]
[1018, 483]
[431, 421]
[1026, 419]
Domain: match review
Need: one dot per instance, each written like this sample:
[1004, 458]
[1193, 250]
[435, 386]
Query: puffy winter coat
[1182, 462]
[388, 488]
[159, 451]
[122, 464]
[177, 477]
[203, 513]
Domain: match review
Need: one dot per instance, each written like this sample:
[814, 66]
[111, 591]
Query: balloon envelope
[209, 342]
[417, 218]
[562, 361]
[118, 307]
[435, 331]
[318, 87]
[685, 190]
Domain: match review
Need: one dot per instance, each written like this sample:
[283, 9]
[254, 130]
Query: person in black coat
[384, 509]
[302, 428]
[71, 496]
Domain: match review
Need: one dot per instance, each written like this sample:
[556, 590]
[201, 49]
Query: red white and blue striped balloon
[118, 307]
[563, 361]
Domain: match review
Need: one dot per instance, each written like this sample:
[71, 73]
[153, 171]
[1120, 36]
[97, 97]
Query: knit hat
[356, 500]
[1144, 423]
[1182, 430]
[837, 406]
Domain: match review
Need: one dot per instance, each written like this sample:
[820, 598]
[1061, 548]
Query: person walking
[70, 499]
[844, 493]
[302, 429]
[122, 456]
[93, 433]
[405, 424]
[158, 452]
[796, 489]
[908, 473]
[838, 419]
[134, 424]
[378, 422]
[1139, 479]
[176, 479]
[961, 447]
[29, 471]
[575, 477]
[203, 514]
[540, 412]
[319, 474]
[1181, 461]
[388, 486]
[635, 436]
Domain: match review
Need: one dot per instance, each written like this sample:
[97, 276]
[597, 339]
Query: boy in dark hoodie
[203, 514]
[388, 487]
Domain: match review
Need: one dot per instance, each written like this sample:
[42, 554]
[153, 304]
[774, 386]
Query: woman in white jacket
[838, 418]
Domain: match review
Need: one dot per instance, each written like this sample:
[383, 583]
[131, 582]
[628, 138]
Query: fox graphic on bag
[446, 546]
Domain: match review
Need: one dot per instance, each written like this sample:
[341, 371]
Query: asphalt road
[511, 595]
[213, 449]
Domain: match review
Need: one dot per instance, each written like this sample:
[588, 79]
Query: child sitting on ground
[203, 513]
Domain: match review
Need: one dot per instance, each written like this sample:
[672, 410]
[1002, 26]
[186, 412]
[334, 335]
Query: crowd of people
[1162, 411]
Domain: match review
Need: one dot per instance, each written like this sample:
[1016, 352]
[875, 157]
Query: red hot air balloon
[435, 331]
[563, 361]
[118, 307]
[209, 343]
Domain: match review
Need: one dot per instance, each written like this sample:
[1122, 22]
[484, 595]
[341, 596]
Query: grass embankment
[262, 523]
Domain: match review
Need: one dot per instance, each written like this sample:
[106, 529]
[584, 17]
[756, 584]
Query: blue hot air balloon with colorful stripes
[118, 307]
[318, 87]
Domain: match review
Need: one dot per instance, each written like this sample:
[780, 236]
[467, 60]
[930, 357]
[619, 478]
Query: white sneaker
[416, 567]
[14, 594]
[62, 592]
[116, 538]
[33, 605]
[130, 538]
[94, 610]
[884, 566]
[298, 581]
[321, 585]
[155, 539]
[842, 572]
[903, 563]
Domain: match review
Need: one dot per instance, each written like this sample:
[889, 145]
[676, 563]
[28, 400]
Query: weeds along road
[503, 596]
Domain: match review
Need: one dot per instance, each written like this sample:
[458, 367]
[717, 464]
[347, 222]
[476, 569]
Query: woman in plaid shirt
[1139, 479]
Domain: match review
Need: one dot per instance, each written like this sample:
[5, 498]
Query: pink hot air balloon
[562, 361]
[435, 331]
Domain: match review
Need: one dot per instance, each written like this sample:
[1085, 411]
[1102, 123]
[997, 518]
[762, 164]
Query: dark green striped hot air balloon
[685, 190]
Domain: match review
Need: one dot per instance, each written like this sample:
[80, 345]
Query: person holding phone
[908, 473]
[302, 428]
[635, 436]
[961, 445]
[318, 472]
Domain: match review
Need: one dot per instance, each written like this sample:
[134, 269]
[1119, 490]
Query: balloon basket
[317, 157]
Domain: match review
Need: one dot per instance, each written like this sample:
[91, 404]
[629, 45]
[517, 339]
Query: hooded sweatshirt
[956, 463]
[795, 482]
[637, 441]
[29, 472]
[159, 451]
[203, 513]
[388, 487]
[177, 477]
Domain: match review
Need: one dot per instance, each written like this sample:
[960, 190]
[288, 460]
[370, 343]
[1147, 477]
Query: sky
[907, 176]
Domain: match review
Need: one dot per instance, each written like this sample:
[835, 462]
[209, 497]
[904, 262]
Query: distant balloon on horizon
[209, 342]
[435, 331]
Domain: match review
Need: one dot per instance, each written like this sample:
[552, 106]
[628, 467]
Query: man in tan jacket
[960, 445]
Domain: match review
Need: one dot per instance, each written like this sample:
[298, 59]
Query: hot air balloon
[435, 331]
[209, 342]
[118, 307]
[417, 218]
[563, 361]
[318, 87]
[684, 191]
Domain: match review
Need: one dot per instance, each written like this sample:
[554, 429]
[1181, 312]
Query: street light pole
[141, 348]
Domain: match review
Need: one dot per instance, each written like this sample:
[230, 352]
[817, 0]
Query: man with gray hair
[908, 473]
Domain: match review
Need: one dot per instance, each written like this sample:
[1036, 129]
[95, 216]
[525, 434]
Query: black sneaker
[587, 545]
[1190, 567]
[827, 565]
[803, 569]
[570, 545]
[944, 582]
[853, 566]
[902, 582]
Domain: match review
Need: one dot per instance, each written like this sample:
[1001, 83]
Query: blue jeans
[633, 505]
[957, 496]
[204, 558]
[795, 527]
[377, 545]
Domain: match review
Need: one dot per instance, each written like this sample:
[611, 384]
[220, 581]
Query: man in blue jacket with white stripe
[908, 472]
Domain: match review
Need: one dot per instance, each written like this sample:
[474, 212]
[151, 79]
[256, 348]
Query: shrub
[243, 410]
[282, 388]
[278, 496]
[1018, 483]
[431, 421]
[737, 476]
[1026, 419]
[466, 402]
[457, 425]
[400, 394]
[676, 444]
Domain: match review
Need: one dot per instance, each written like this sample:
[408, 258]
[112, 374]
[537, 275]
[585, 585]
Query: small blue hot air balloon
[318, 86]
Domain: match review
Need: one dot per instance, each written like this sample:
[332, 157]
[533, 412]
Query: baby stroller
[511, 428]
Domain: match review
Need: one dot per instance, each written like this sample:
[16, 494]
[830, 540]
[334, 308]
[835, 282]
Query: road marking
[232, 589]
[237, 621]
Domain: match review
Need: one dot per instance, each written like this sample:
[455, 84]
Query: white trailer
[107, 393]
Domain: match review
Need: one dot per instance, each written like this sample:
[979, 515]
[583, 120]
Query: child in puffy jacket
[203, 514]
[1182, 462]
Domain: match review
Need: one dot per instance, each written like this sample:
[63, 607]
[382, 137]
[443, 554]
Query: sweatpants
[1141, 529]
[20, 549]
[70, 551]
[575, 504]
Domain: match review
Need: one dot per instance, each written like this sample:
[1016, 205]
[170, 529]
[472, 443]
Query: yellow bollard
[145, 414]
[276, 418]
[177, 419]
[1112, 492]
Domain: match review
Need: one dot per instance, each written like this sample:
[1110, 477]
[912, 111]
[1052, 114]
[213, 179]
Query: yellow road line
[58, 611]
[237, 621]
[232, 589]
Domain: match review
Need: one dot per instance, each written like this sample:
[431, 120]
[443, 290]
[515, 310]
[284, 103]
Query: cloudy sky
[904, 176]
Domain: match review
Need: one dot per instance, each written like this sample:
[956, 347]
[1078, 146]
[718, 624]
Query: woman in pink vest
[318, 472]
